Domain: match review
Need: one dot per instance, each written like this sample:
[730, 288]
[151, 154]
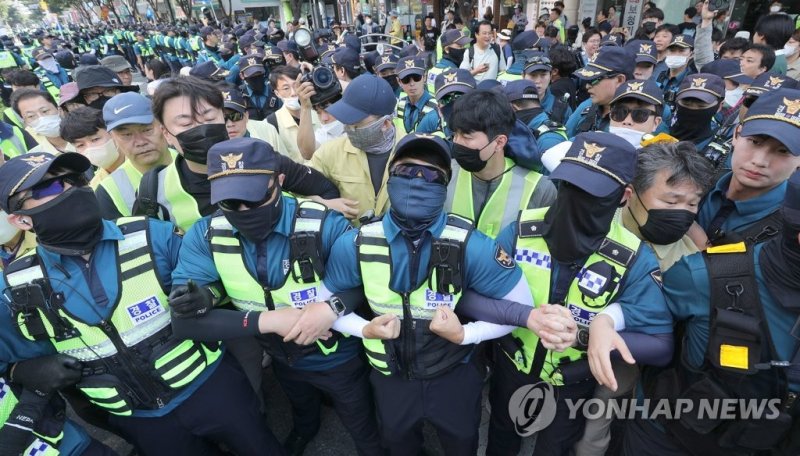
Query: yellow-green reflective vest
[15, 145]
[51, 88]
[115, 348]
[244, 291]
[415, 309]
[15, 119]
[589, 293]
[182, 207]
[505, 77]
[501, 205]
[432, 73]
[7, 60]
[41, 445]
[121, 187]
[400, 110]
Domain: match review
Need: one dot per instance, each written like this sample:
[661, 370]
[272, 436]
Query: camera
[326, 85]
[306, 46]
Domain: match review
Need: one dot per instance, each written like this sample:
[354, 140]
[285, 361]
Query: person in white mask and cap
[85, 129]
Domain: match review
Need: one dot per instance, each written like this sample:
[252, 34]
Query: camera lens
[323, 77]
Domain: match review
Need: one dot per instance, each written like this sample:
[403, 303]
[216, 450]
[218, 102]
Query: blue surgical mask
[415, 203]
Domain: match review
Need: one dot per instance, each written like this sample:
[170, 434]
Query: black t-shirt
[430, 35]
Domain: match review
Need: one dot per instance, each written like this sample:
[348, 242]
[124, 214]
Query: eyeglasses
[411, 77]
[429, 173]
[233, 205]
[639, 115]
[52, 187]
[233, 116]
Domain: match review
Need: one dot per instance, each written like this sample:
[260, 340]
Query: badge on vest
[286, 266]
[144, 311]
[434, 300]
[300, 298]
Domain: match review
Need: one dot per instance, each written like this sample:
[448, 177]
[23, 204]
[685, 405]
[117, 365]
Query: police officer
[551, 245]
[50, 73]
[416, 102]
[143, 50]
[263, 223]
[450, 85]
[679, 66]
[646, 57]
[261, 99]
[453, 42]
[420, 376]
[384, 67]
[121, 334]
[765, 82]
[524, 98]
[696, 103]
[636, 110]
[538, 69]
[488, 187]
[524, 45]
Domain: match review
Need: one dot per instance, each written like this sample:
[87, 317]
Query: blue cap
[683, 41]
[347, 57]
[252, 64]
[366, 95]
[209, 71]
[453, 80]
[599, 163]
[410, 50]
[537, 61]
[607, 59]
[647, 91]
[127, 108]
[288, 46]
[644, 50]
[234, 99]
[525, 40]
[612, 39]
[728, 69]
[24, 171]
[454, 36]
[245, 41]
[241, 169]
[775, 114]
[521, 89]
[386, 62]
[409, 65]
[273, 55]
[767, 82]
[433, 146]
[707, 87]
[489, 84]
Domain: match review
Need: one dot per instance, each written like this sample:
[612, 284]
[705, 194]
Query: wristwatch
[337, 306]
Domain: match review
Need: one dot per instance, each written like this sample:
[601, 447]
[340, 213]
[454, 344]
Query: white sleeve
[614, 311]
[551, 158]
[351, 324]
[324, 294]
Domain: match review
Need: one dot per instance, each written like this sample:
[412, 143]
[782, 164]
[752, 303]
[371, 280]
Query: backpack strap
[147, 197]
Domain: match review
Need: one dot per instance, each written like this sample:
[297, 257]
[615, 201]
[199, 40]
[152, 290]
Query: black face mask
[196, 141]
[226, 54]
[576, 224]
[62, 228]
[99, 102]
[392, 80]
[257, 84]
[456, 54]
[470, 159]
[212, 48]
[664, 226]
[526, 115]
[693, 124]
[257, 223]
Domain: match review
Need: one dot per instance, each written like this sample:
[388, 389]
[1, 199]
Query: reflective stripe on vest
[374, 258]
[14, 118]
[533, 256]
[14, 145]
[7, 60]
[431, 83]
[140, 316]
[499, 210]
[400, 111]
[505, 77]
[182, 207]
[121, 187]
[48, 84]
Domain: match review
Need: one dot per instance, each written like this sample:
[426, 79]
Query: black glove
[189, 300]
[17, 434]
[47, 374]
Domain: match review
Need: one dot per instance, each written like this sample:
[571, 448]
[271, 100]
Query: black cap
[409, 65]
[683, 41]
[525, 40]
[599, 163]
[241, 169]
[454, 36]
[348, 58]
[767, 82]
[386, 62]
[728, 69]
[100, 76]
[24, 171]
[453, 80]
[205, 31]
[252, 64]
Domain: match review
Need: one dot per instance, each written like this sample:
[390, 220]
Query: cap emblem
[450, 77]
[645, 48]
[591, 152]
[699, 83]
[635, 86]
[232, 160]
[774, 82]
[792, 106]
[35, 160]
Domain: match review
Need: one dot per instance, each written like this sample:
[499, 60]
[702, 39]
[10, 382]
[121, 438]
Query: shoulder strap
[447, 256]
[147, 197]
[273, 120]
[496, 50]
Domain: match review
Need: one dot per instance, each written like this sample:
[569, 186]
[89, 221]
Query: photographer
[283, 80]
[309, 136]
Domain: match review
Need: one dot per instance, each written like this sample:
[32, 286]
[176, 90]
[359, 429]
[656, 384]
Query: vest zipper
[408, 335]
[130, 363]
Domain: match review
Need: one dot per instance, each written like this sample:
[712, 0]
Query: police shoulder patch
[655, 274]
[503, 258]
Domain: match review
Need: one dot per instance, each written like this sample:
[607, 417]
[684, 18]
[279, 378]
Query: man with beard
[422, 374]
[697, 102]
[119, 338]
[576, 255]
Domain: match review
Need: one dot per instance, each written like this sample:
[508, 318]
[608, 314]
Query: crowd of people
[394, 224]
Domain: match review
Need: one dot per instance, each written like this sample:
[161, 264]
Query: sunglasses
[447, 99]
[411, 77]
[52, 187]
[234, 116]
[233, 205]
[639, 115]
[429, 173]
[594, 82]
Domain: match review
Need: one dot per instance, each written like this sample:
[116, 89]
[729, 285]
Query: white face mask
[102, 156]
[774, 9]
[292, 103]
[368, 21]
[7, 230]
[329, 131]
[49, 64]
[789, 49]
[733, 96]
[634, 137]
[676, 61]
[47, 126]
